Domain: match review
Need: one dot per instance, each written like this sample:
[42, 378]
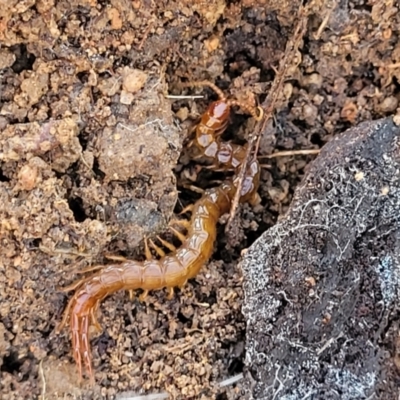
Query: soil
[89, 164]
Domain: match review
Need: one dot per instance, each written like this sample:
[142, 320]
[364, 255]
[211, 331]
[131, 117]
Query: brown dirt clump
[88, 145]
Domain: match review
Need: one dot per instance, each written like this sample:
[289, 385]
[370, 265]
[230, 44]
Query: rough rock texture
[322, 286]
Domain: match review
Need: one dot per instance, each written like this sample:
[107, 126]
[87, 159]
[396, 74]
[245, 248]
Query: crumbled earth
[88, 147]
[322, 286]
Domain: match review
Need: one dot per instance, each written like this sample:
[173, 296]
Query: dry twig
[291, 153]
[270, 102]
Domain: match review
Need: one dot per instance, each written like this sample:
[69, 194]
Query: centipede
[170, 270]
[223, 155]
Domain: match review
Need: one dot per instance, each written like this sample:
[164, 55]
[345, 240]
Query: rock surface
[322, 286]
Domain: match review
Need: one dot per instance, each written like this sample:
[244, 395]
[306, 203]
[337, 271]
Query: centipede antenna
[256, 112]
[205, 83]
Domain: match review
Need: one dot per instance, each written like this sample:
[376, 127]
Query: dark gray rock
[322, 286]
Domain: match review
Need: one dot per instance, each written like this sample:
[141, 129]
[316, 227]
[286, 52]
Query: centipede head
[213, 122]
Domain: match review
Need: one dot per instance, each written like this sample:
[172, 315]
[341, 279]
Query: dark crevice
[83, 141]
[24, 60]
[3, 178]
[33, 243]
[183, 319]
[316, 139]
[96, 169]
[76, 206]
[236, 366]
[83, 76]
[11, 363]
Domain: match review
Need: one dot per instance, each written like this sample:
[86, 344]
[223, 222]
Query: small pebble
[133, 80]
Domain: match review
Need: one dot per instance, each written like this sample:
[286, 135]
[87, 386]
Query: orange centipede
[171, 270]
[214, 121]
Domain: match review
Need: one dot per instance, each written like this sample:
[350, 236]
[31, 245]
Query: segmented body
[181, 264]
[223, 155]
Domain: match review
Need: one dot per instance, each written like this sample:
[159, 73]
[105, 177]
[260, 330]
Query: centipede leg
[168, 245]
[85, 349]
[158, 249]
[75, 285]
[65, 317]
[115, 257]
[90, 269]
[182, 222]
[255, 200]
[182, 285]
[194, 188]
[188, 208]
[94, 320]
[147, 251]
[170, 294]
[143, 295]
[76, 342]
[178, 234]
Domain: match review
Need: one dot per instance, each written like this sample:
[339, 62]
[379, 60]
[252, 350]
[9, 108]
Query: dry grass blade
[292, 153]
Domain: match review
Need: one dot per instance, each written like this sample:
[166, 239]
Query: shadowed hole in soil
[24, 60]
[396, 84]
[211, 299]
[96, 169]
[3, 178]
[32, 243]
[183, 319]
[11, 363]
[83, 76]
[316, 139]
[76, 206]
[83, 141]
[238, 63]
[236, 366]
